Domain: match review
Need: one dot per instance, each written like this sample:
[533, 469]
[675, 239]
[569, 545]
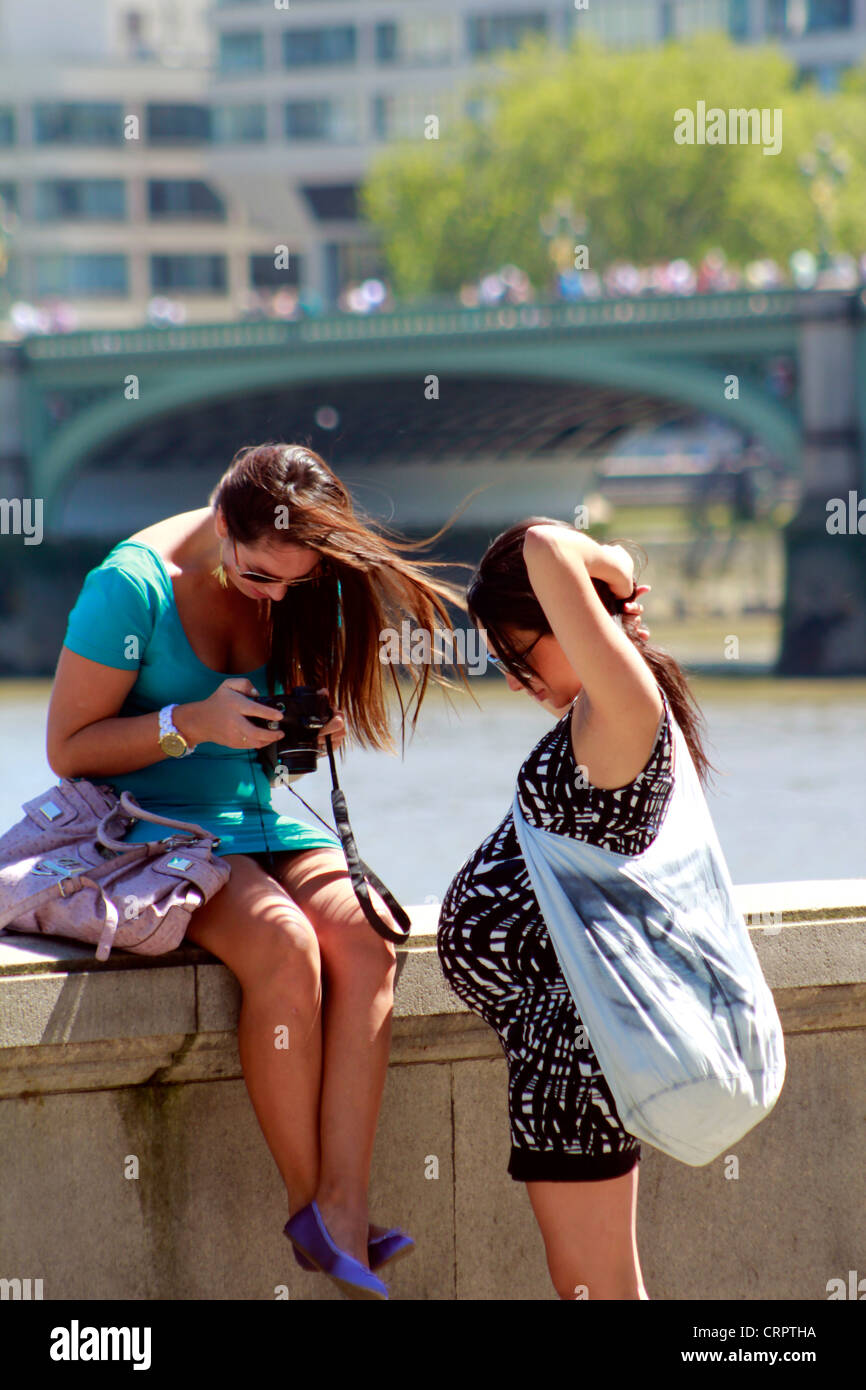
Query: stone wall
[138, 1056]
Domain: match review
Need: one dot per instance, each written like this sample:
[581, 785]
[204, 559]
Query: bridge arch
[680, 381]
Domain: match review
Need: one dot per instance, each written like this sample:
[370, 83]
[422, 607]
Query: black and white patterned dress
[498, 958]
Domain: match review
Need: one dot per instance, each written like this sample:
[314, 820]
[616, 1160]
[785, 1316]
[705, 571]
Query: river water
[789, 801]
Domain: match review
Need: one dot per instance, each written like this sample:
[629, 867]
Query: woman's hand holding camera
[336, 727]
[224, 717]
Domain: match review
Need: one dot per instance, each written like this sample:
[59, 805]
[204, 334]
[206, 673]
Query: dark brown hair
[500, 595]
[326, 633]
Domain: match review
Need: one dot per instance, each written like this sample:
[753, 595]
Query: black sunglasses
[317, 572]
[517, 666]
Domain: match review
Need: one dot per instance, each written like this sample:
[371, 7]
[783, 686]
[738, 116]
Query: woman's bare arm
[621, 705]
[86, 736]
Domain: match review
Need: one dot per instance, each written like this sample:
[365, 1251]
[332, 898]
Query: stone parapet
[137, 1056]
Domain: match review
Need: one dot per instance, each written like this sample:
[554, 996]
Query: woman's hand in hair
[631, 612]
[619, 570]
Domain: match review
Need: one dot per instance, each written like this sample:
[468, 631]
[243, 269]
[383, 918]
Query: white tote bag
[658, 960]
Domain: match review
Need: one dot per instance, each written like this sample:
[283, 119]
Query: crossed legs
[314, 1030]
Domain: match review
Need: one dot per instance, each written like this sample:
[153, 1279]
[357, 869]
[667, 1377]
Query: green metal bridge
[73, 398]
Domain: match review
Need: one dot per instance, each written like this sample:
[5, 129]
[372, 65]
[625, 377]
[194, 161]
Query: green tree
[597, 126]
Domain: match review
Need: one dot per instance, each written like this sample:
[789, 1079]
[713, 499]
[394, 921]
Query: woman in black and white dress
[545, 596]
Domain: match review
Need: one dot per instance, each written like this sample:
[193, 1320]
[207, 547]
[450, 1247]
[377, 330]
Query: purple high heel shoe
[393, 1245]
[309, 1235]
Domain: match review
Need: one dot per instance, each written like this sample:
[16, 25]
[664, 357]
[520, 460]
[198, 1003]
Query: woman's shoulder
[553, 758]
[165, 540]
[140, 564]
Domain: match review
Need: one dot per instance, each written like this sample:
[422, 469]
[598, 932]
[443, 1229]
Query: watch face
[173, 744]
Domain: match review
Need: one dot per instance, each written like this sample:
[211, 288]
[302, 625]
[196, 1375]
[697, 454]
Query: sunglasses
[518, 666]
[254, 577]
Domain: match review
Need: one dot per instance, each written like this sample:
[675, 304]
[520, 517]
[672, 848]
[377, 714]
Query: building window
[829, 14]
[401, 115]
[485, 33]
[81, 275]
[423, 41]
[315, 47]
[308, 120]
[78, 123]
[738, 19]
[194, 274]
[134, 23]
[185, 198]
[84, 199]
[177, 124]
[238, 124]
[264, 274]
[667, 20]
[357, 261]
[386, 42]
[7, 125]
[332, 201]
[241, 52]
[322, 119]
[776, 16]
[9, 197]
[379, 117]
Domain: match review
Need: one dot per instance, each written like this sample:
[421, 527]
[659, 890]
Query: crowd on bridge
[509, 284]
[714, 275]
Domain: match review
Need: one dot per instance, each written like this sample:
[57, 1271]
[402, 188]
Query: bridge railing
[415, 320]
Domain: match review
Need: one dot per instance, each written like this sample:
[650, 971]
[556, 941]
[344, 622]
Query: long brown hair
[326, 633]
[500, 595]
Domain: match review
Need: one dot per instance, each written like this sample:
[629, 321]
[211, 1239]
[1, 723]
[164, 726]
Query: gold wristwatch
[171, 741]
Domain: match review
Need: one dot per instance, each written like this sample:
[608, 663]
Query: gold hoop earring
[220, 575]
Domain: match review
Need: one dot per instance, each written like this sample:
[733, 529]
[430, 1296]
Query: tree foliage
[597, 127]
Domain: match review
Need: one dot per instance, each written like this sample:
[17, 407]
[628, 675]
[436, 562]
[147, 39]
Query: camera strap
[359, 872]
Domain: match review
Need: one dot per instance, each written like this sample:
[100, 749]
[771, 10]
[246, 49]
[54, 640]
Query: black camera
[304, 712]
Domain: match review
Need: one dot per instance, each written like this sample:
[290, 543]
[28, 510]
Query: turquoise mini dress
[126, 617]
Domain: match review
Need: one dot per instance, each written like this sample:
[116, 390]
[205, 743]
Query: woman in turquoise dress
[175, 642]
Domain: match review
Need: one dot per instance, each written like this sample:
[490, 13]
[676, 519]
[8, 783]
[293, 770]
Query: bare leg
[358, 970]
[589, 1235]
[267, 943]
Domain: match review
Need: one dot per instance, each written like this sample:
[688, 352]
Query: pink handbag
[139, 897]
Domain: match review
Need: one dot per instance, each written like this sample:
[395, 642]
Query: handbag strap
[132, 808]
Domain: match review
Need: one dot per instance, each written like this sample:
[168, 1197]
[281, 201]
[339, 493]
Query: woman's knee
[352, 948]
[319, 883]
[257, 930]
[282, 946]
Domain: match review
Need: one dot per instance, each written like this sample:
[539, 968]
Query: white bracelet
[166, 726]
